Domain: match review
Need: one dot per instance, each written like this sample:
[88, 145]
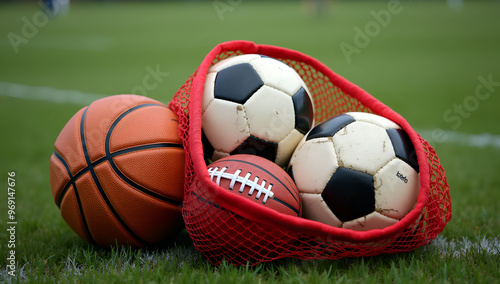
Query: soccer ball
[357, 171]
[254, 104]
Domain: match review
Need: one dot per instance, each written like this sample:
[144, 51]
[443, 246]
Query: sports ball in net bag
[333, 95]
[259, 181]
[254, 104]
[356, 171]
[117, 172]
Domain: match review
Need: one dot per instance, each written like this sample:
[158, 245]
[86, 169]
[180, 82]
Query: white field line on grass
[464, 246]
[76, 97]
[482, 140]
[47, 94]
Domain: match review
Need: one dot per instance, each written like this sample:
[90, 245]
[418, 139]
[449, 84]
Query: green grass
[423, 63]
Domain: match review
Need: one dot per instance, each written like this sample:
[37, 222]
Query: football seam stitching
[244, 181]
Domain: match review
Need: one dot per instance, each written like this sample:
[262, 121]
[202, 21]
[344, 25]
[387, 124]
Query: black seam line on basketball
[114, 154]
[132, 183]
[70, 182]
[85, 225]
[98, 184]
[61, 159]
[122, 175]
[142, 147]
[259, 167]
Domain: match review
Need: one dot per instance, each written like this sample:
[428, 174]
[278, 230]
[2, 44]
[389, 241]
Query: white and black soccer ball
[357, 171]
[254, 104]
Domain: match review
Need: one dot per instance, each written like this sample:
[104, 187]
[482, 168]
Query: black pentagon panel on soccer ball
[403, 147]
[329, 127]
[259, 147]
[237, 83]
[350, 194]
[304, 111]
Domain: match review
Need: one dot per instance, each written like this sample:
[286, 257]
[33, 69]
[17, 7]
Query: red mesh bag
[206, 203]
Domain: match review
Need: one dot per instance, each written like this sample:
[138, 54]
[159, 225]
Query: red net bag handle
[420, 226]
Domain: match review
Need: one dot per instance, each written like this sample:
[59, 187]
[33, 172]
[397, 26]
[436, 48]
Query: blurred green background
[424, 62]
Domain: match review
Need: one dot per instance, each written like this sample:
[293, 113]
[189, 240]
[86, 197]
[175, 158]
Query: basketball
[117, 172]
[256, 179]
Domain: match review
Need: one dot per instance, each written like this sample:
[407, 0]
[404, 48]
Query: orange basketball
[117, 172]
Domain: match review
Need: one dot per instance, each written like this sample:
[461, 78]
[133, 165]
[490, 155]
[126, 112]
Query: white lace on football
[254, 185]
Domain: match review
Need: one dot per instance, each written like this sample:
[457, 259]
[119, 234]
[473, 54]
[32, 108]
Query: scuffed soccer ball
[254, 104]
[357, 171]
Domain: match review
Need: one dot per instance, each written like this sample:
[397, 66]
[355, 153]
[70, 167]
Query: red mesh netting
[226, 226]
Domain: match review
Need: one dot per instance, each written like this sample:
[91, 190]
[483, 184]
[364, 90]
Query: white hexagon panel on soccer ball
[313, 164]
[397, 186]
[277, 74]
[287, 146]
[363, 146]
[270, 114]
[370, 222]
[208, 91]
[375, 119]
[228, 62]
[225, 125]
